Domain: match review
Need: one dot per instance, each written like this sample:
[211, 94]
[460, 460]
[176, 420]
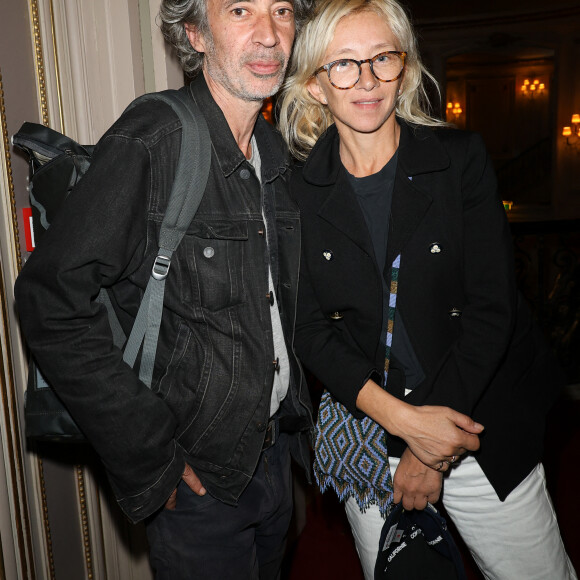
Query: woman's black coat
[474, 339]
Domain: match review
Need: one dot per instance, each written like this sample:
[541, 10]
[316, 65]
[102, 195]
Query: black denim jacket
[212, 382]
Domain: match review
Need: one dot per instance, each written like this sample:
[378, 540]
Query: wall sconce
[572, 133]
[532, 88]
[266, 110]
[454, 110]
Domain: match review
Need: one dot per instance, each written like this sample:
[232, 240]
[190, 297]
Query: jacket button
[435, 248]
[270, 297]
[337, 316]
[261, 233]
[208, 252]
[276, 364]
[245, 173]
[455, 313]
[261, 427]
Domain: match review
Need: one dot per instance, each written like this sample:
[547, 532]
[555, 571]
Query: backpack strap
[186, 195]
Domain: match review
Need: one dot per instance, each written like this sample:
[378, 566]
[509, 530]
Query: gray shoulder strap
[186, 195]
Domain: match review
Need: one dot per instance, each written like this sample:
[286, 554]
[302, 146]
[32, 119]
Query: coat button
[455, 313]
[270, 297]
[276, 364]
[328, 255]
[208, 252]
[435, 248]
[337, 316]
[261, 427]
[261, 233]
[245, 173]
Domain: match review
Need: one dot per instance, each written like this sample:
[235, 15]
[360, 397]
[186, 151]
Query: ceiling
[498, 56]
[429, 9]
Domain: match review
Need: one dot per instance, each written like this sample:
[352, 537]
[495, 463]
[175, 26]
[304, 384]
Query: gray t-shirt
[282, 376]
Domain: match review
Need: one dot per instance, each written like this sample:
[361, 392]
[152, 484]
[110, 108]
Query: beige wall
[73, 65]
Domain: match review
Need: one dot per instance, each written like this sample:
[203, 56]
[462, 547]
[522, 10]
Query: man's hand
[192, 481]
[415, 483]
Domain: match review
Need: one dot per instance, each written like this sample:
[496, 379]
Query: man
[204, 454]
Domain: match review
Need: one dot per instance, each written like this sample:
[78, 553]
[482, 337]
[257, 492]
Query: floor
[325, 551]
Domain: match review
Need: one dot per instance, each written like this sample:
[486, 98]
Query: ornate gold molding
[85, 522]
[8, 165]
[41, 83]
[2, 569]
[43, 99]
[56, 68]
[7, 385]
[46, 521]
[39, 60]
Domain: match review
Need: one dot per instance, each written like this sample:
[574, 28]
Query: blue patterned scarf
[351, 454]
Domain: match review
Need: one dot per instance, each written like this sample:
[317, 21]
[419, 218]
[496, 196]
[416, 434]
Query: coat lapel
[420, 153]
[341, 209]
[408, 208]
[338, 205]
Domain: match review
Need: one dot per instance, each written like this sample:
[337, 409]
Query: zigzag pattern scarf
[350, 455]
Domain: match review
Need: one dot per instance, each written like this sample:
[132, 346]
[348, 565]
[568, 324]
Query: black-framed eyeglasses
[345, 73]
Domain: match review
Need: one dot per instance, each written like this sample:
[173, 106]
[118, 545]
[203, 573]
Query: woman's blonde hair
[302, 119]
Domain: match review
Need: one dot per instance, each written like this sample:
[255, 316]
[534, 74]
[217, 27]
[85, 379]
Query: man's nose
[265, 32]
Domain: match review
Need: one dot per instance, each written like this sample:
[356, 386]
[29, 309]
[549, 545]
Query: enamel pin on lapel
[328, 255]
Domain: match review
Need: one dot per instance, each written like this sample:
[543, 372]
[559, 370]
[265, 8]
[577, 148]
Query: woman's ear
[401, 82]
[195, 37]
[317, 92]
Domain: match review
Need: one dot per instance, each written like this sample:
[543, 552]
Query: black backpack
[57, 163]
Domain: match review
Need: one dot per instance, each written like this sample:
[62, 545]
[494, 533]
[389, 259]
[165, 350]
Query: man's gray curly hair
[174, 14]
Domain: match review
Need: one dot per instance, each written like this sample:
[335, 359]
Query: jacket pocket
[215, 263]
[182, 385]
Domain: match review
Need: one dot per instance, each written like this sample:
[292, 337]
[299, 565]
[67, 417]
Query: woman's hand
[437, 436]
[415, 484]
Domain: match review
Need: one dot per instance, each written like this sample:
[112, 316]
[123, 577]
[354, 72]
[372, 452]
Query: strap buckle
[161, 267]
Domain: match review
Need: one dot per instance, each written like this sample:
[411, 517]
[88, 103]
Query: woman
[407, 263]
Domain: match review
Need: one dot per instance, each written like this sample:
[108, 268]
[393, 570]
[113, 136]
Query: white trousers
[512, 540]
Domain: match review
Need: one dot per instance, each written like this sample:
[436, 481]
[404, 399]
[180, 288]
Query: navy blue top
[374, 194]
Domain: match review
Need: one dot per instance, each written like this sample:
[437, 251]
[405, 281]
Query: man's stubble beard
[239, 89]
